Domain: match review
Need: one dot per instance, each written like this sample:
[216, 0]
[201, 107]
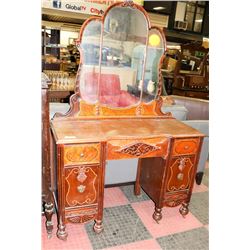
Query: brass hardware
[81, 176]
[180, 176]
[81, 155]
[81, 188]
[182, 164]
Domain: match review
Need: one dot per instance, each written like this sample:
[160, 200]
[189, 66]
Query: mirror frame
[81, 109]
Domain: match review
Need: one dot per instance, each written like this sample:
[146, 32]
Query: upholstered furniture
[198, 109]
[110, 90]
[197, 116]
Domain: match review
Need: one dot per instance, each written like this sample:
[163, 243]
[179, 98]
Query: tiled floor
[128, 224]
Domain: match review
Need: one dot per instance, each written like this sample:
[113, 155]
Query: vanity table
[107, 122]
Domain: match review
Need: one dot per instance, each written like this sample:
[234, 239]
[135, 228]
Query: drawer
[81, 185]
[81, 153]
[137, 148]
[175, 199]
[180, 174]
[185, 146]
[80, 215]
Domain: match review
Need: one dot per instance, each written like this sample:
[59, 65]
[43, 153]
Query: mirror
[120, 58]
[90, 56]
[155, 51]
[125, 30]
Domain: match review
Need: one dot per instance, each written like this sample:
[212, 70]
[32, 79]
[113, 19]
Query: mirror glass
[123, 53]
[155, 50]
[90, 55]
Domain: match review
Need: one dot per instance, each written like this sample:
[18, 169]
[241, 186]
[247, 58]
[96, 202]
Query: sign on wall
[91, 7]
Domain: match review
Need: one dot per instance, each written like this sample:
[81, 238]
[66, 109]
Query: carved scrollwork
[81, 216]
[87, 192]
[81, 176]
[182, 163]
[139, 110]
[138, 149]
[175, 199]
[80, 219]
[127, 3]
[180, 178]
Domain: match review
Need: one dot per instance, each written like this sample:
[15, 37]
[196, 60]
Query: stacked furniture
[191, 74]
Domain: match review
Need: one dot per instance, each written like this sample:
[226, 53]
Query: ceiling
[63, 19]
[167, 5]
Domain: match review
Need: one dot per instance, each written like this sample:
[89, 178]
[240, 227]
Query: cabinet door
[180, 173]
[81, 185]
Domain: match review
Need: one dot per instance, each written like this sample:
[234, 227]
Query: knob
[180, 176]
[81, 155]
[81, 188]
[186, 147]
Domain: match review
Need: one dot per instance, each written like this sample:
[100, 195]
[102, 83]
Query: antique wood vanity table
[107, 122]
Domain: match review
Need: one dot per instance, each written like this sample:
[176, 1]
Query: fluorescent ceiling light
[159, 8]
[198, 21]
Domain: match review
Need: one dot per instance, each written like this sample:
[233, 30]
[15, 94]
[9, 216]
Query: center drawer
[82, 153]
[137, 148]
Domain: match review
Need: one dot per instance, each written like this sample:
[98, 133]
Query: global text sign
[91, 7]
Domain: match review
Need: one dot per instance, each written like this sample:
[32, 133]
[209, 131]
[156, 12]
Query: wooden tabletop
[80, 131]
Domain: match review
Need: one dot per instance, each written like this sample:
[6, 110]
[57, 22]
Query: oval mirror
[125, 29]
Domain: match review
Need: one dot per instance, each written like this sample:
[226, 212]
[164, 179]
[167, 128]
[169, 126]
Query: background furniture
[191, 75]
[196, 116]
[47, 196]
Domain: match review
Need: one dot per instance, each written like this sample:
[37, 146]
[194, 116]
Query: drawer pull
[180, 176]
[186, 147]
[81, 188]
[81, 155]
[81, 176]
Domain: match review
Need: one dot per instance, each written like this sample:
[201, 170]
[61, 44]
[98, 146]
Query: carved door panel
[180, 173]
[81, 185]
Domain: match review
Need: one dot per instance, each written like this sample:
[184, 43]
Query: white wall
[65, 35]
[180, 11]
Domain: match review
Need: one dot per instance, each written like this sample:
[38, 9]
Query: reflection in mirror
[125, 30]
[155, 50]
[90, 54]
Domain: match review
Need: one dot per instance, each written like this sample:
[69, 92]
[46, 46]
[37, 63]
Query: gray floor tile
[129, 193]
[199, 205]
[121, 226]
[190, 240]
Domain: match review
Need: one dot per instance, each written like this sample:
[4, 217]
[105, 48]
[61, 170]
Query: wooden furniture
[107, 123]
[191, 77]
[59, 95]
[47, 198]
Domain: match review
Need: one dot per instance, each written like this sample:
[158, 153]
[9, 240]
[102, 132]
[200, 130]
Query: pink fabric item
[110, 90]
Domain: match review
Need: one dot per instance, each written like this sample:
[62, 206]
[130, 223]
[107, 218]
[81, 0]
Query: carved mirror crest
[119, 72]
